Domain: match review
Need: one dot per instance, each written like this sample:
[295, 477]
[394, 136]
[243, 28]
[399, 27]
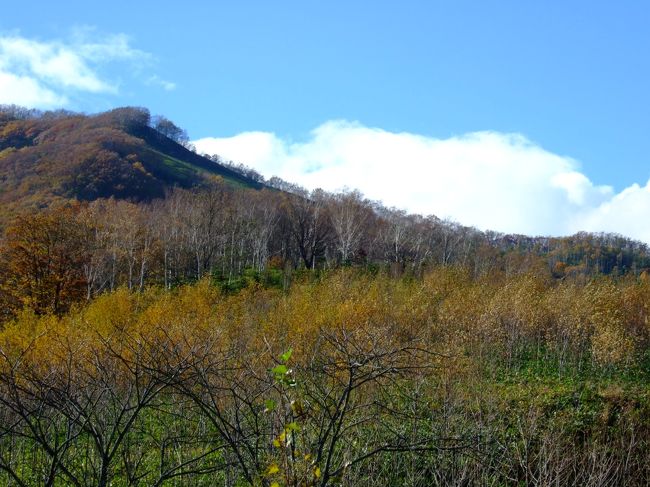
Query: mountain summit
[122, 153]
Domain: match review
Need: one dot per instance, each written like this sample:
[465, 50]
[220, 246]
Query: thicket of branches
[349, 379]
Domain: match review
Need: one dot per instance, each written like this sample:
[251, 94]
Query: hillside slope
[117, 154]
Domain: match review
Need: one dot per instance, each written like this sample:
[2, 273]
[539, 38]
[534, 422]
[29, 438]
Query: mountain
[52, 156]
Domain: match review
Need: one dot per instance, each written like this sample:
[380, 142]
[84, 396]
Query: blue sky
[572, 78]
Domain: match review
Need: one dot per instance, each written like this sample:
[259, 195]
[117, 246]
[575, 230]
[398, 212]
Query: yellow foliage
[447, 310]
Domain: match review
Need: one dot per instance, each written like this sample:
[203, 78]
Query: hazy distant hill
[62, 155]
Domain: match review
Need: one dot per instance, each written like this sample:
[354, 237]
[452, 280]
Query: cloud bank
[40, 74]
[490, 180]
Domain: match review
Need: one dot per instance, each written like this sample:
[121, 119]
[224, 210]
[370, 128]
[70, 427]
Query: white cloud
[47, 74]
[25, 91]
[490, 180]
[52, 63]
[156, 80]
[626, 213]
[113, 47]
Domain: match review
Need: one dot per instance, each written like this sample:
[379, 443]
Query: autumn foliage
[42, 262]
[434, 379]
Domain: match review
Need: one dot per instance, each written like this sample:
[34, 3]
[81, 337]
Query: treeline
[127, 118]
[72, 252]
[353, 378]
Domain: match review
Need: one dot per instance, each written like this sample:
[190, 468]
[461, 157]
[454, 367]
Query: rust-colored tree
[42, 262]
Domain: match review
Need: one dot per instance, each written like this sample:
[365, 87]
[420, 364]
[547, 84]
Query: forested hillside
[123, 153]
[169, 319]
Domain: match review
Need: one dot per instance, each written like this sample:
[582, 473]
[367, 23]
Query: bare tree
[350, 216]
